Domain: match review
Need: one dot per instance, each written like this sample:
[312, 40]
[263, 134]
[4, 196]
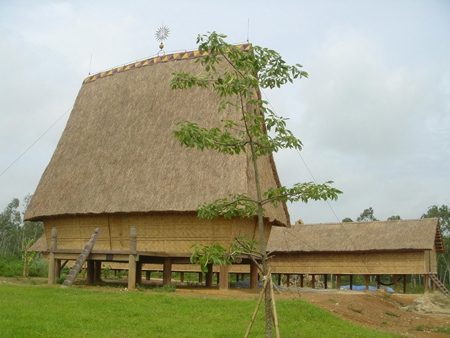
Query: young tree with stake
[237, 76]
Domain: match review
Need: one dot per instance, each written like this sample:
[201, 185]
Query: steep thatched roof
[418, 234]
[118, 153]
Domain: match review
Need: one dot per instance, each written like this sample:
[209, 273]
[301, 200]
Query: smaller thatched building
[396, 248]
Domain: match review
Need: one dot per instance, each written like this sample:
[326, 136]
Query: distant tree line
[16, 236]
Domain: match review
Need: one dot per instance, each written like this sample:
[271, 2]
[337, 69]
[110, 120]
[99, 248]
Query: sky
[373, 115]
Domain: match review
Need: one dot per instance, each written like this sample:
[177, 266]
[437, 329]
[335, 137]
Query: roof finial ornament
[161, 34]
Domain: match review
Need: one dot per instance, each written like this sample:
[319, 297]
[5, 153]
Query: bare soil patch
[374, 309]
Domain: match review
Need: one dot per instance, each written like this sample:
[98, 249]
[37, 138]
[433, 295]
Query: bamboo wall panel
[349, 263]
[168, 233]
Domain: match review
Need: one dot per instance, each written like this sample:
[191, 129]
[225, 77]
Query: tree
[367, 216]
[443, 213]
[347, 220]
[14, 232]
[10, 222]
[258, 132]
[394, 218]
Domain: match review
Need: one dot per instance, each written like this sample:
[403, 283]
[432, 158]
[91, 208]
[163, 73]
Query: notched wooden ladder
[439, 284]
[81, 259]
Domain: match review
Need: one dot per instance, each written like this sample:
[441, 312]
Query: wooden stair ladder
[439, 284]
[81, 259]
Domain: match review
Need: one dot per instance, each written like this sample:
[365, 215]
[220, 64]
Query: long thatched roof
[419, 234]
[118, 153]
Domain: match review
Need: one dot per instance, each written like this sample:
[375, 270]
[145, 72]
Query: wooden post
[325, 281]
[90, 274]
[200, 277]
[425, 283]
[253, 276]
[132, 259]
[97, 271]
[302, 277]
[51, 257]
[396, 283]
[139, 273]
[313, 281]
[167, 271]
[209, 276]
[288, 281]
[367, 282]
[147, 275]
[338, 282]
[223, 280]
[351, 282]
[58, 268]
[182, 276]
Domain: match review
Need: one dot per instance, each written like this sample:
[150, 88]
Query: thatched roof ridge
[417, 234]
[118, 153]
[185, 55]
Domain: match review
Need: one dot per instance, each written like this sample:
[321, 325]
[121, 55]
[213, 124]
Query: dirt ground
[373, 309]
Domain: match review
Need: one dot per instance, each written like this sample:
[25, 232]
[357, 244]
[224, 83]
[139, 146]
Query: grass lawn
[50, 311]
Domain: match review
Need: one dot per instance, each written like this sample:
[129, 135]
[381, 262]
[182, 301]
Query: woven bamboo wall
[413, 262]
[156, 233]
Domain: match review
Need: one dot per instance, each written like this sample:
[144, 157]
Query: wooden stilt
[97, 271]
[138, 273]
[209, 276]
[253, 276]
[167, 271]
[338, 282]
[132, 259]
[51, 257]
[90, 274]
[396, 283]
[223, 280]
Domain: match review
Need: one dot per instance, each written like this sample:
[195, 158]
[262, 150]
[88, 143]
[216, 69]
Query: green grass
[51, 311]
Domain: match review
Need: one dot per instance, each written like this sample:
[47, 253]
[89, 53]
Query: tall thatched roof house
[396, 248]
[118, 165]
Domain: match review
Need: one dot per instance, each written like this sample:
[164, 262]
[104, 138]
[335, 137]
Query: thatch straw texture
[118, 153]
[420, 234]
[40, 245]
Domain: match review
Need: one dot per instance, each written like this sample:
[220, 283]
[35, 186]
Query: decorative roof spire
[161, 34]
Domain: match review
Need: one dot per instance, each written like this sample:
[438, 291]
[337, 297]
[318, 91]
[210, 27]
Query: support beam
[139, 273]
[313, 281]
[338, 282]
[90, 273]
[51, 257]
[223, 277]
[132, 259]
[209, 276]
[167, 271]
[253, 276]
[367, 282]
[351, 282]
[97, 271]
[396, 283]
[325, 281]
